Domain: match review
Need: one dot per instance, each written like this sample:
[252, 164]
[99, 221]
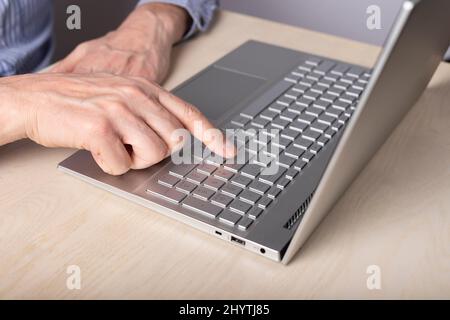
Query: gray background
[346, 18]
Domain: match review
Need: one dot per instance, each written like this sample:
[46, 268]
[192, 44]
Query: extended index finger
[197, 124]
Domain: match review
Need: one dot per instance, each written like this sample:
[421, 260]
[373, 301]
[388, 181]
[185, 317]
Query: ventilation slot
[298, 214]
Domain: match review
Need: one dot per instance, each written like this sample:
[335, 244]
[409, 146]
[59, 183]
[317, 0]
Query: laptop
[306, 126]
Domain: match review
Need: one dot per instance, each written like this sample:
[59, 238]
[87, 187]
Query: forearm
[173, 20]
[12, 117]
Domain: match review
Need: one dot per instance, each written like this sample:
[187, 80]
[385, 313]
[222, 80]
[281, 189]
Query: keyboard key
[355, 72]
[260, 122]
[269, 115]
[306, 118]
[322, 141]
[249, 196]
[272, 178]
[353, 92]
[273, 192]
[303, 102]
[321, 104]
[196, 177]
[300, 164]
[293, 77]
[318, 89]
[186, 186]
[324, 67]
[295, 108]
[251, 170]
[281, 142]
[213, 183]
[340, 69]
[300, 88]
[336, 113]
[325, 83]
[311, 135]
[294, 152]
[319, 126]
[307, 82]
[328, 98]
[331, 77]
[240, 121]
[285, 101]
[230, 218]
[327, 119]
[330, 133]
[168, 180]
[290, 134]
[166, 193]
[280, 123]
[315, 148]
[311, 95]
[314, 111]
[305, 68]
[278, 108]
[293, 94]
[283, 183]
[341, 85]
[233, 167]
[302, 143]
[259, 187]
[308, 156]
[245, 223]
[255, 213]
[337, 126]
[291, 174]
[285, 161]
[336, 91]
[347, 79]
[240, 207]
[264, 203]
[313, 61]
[203, 193]
[223, 174]
[288, 115]
[298, 126]
[347, 98]
[241, 181]
[221, 199]
[181, 170]
[231, 190]
[206, 169]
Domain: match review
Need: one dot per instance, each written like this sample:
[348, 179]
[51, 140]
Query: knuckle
[100, 128]
[131, 90]
[118, 107]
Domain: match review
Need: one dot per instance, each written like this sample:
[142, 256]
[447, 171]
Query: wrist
[172, 20]
[13, 119]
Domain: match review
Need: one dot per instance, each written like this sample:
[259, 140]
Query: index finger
[197, 124]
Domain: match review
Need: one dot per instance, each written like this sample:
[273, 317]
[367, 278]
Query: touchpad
[216, 90]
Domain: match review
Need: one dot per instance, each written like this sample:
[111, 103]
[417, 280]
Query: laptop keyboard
[312, 104]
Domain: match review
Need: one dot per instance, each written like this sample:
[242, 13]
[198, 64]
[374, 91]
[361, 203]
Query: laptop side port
[238, 241]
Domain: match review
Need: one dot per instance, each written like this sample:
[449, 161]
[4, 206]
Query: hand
[140, 47]
[126, 122]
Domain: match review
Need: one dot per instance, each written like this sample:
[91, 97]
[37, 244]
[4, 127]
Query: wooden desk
[396, 215]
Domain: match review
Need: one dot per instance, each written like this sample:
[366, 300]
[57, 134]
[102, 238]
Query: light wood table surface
[396, 215]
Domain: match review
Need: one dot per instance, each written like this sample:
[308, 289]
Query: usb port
[218, 233]
[239, 241]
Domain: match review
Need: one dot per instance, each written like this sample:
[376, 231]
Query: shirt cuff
[201, 12]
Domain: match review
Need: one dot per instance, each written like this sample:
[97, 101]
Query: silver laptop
[305, 125]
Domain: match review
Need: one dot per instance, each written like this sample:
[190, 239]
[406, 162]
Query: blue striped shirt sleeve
[201, 12]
